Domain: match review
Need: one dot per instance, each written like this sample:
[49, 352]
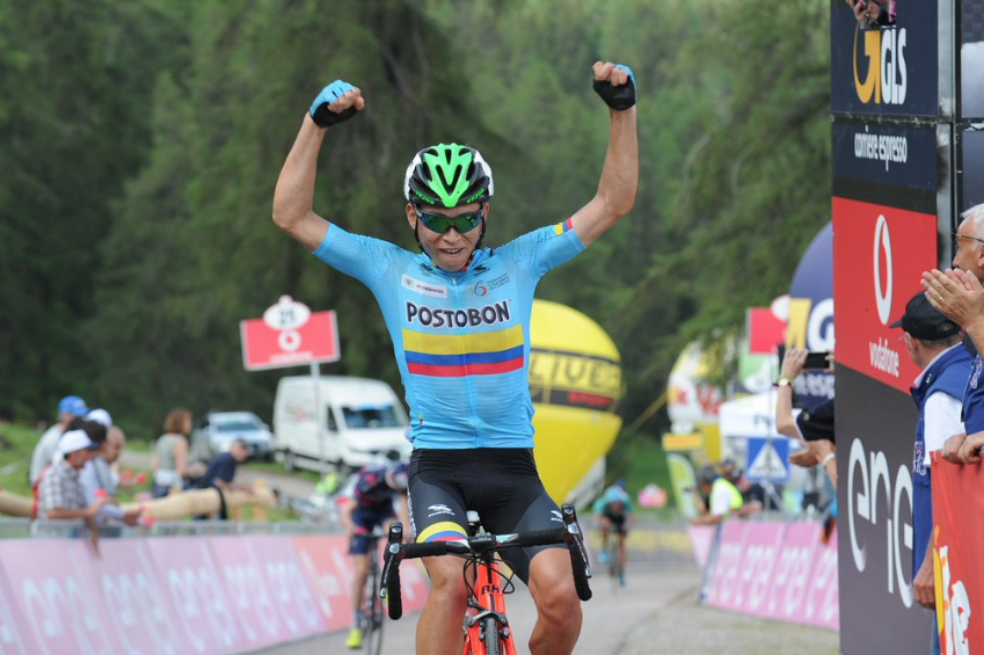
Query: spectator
[61, 494]
[70, 407]
[380, 493]
[99, 480]
[958, 295]
[874, 13]
[221, 473]
[813, 428]
[933, 342]
[724, 498]
[170, 463]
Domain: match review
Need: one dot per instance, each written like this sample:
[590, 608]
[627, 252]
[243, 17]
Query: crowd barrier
[177, 595]
[774, 570]
[958, 512]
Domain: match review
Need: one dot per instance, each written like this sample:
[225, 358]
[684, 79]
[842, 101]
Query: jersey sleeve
[362, 257]
[544, 249]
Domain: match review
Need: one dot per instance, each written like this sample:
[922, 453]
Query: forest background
[143, 139]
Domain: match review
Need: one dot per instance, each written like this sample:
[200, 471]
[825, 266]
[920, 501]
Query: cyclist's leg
[623, 533]
[358, 550]
[437, 512]
[515, 501]
[606, 528]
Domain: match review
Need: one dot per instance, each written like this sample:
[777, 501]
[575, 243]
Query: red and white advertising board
[880, 254]
[289, 334]
[958, 515]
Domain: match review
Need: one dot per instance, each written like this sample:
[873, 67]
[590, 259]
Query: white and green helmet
[448, 175]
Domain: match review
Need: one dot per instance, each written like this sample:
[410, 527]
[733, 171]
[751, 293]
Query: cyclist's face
[450, 250]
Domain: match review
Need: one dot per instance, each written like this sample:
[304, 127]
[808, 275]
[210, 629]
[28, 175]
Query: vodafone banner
[775, 570]
[880, 254]
[177, 595]
[958, 514]
[289, 334]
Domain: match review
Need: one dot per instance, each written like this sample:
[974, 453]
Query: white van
[360, 420]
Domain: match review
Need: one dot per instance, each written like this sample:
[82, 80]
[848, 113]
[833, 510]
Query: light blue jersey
[462, 339]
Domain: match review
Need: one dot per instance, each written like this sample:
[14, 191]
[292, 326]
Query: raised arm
[293, 199]
[620, 175]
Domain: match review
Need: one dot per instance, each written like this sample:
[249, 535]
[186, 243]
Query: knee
[558, 604]
[447, 586]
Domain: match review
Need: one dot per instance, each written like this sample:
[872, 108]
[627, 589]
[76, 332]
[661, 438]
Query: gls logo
[887, 78]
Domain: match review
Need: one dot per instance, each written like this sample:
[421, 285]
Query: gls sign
[893, 70]
[887, 78]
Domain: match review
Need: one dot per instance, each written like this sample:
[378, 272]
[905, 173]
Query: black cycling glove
[618, 97]
[319, 108]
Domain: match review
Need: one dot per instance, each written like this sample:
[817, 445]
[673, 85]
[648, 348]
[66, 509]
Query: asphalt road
[655, 614]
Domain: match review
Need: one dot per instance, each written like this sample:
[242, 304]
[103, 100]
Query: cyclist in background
[613, 510]
[379, 495]
[459, 317]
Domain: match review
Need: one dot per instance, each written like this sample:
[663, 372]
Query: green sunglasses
[441, 224]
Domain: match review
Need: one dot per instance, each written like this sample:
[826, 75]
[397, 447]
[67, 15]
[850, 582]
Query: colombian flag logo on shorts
[458, 355]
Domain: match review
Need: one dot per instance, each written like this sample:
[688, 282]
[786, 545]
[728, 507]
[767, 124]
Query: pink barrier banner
[205, 615]
[52, 601]
[325, 565]
[177, 595]
[292, 594]
[141, 613]
[328, 569]
[269, 606]
[776, 570]
[701, 540]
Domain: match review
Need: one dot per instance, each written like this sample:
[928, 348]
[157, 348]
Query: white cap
[72, 441]
[100, 416]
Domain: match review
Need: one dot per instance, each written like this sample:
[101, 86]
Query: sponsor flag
[958, 517]
[765, 330]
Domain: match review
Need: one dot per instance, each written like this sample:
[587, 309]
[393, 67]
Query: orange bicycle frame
[487, 602]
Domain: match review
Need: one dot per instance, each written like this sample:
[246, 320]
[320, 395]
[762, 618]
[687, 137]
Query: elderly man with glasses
[958, 293]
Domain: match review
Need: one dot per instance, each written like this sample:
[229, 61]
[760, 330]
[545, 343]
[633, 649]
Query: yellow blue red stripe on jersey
[458, 355]
[560, 228]
[442, 531]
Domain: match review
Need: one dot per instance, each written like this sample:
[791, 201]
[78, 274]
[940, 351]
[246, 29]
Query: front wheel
[493, 644]
[373, 609]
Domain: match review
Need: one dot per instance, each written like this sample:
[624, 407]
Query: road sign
[289, 334]
[768, 459]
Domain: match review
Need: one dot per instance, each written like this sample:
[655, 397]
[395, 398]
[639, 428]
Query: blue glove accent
[319, 108]
[618, 97]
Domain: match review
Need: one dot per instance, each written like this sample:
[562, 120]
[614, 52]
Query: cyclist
[380, 492]
[458, 314]
[613, 510]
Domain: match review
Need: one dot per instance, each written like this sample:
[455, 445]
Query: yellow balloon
[576, 383]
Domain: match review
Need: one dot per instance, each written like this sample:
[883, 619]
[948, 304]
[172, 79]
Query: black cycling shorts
[617, 521]
[501, 484]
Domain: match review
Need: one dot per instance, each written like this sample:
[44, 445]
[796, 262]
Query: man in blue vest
[934, 344]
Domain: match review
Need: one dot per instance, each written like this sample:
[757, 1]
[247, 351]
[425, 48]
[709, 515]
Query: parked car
[214, 432]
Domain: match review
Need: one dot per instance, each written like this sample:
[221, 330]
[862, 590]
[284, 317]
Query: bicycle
[372, 603]
[486, 626]
[616, 567]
